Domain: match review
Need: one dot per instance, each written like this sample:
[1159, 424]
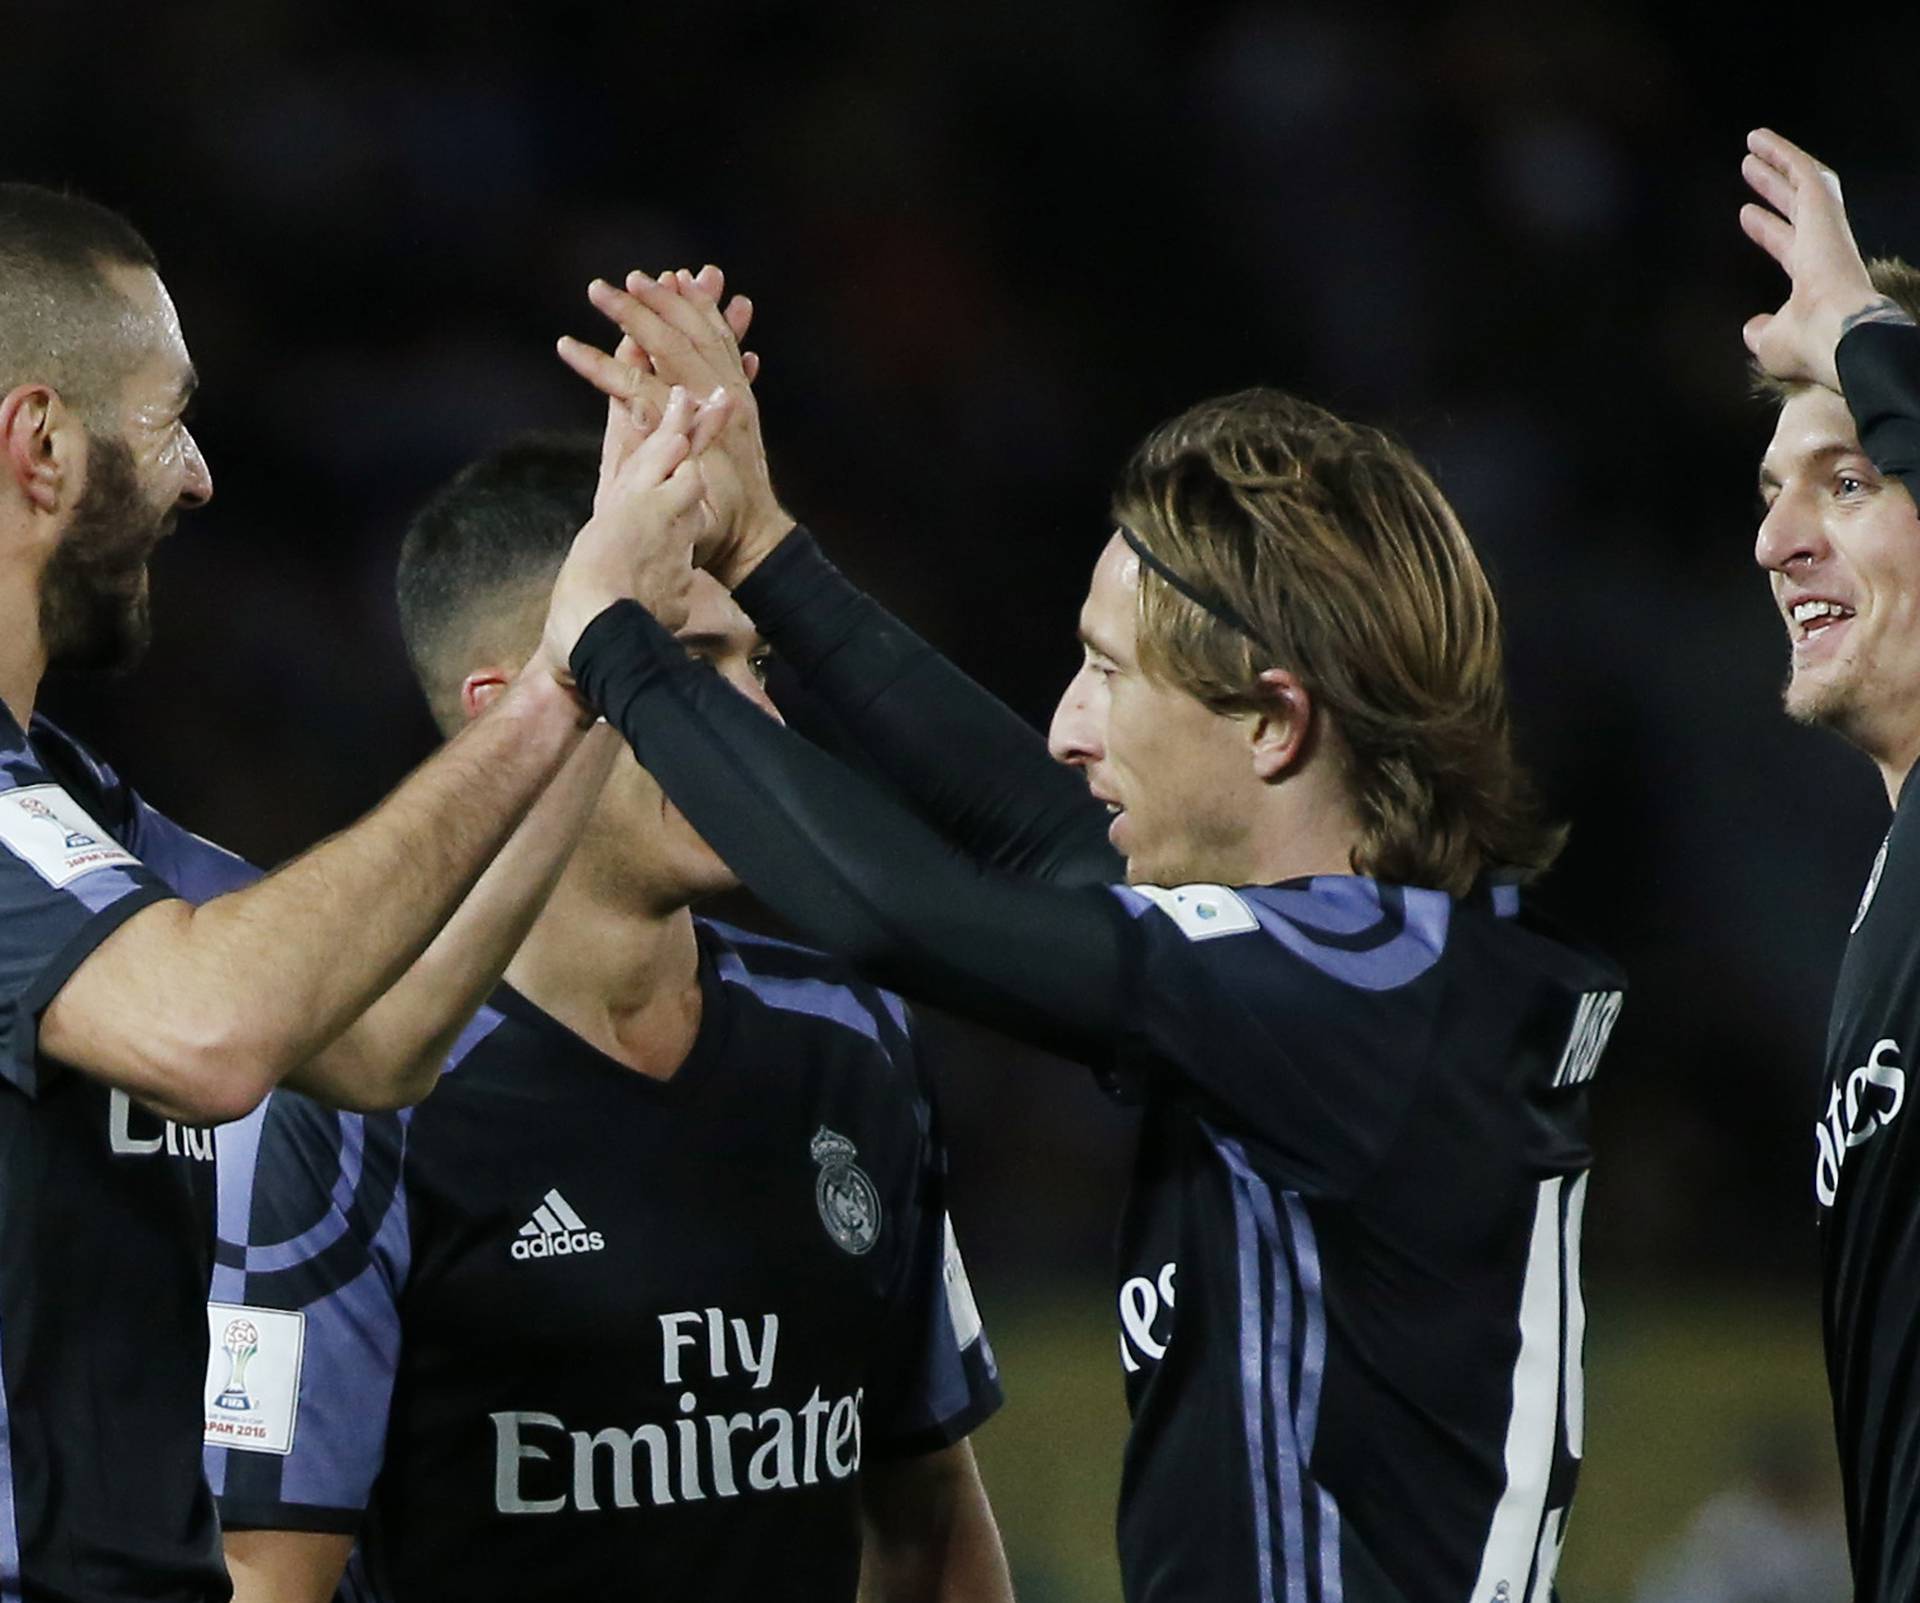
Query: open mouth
[1812, 619]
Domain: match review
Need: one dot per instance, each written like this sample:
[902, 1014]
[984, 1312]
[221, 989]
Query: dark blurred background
[991, 245]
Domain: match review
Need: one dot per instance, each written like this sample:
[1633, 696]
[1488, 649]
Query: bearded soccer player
[1270, 890]
[657, 1297]
[138, 1003]
[1840, 543]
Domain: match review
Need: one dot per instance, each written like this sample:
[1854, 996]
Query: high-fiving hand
[675, 330]
[1803, 226]
[648, 516]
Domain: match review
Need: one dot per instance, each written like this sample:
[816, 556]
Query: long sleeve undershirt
[859, 874]
[972, 769]
[1879, 366]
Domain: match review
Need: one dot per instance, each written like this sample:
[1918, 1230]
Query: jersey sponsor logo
[1869, 1100]
[1873, 884]
[848, 1201]
[1202, 912]
[543, 1466]
[55, 836]
[137, 1132]
[555, 1231]
[1143, 1299]
[1593, 1023]
[962, 1310]
[253, 1376]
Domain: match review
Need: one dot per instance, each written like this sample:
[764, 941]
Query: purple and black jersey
[1349, 1300]
[565, 1330]
[1350, 1308]
[105, 1215]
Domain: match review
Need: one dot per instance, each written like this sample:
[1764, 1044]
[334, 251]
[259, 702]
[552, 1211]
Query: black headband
[1212, 606]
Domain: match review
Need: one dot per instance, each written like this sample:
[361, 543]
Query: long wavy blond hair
[1339, 553]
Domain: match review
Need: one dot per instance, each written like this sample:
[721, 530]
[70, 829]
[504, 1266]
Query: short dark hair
[491, 537]
[1332, 543]
[60, 317]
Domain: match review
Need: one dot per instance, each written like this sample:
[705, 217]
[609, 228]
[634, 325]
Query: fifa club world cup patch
[848, 1202]
[962, 1310]
[1202, 911]
[54, 836]
[253, 1376]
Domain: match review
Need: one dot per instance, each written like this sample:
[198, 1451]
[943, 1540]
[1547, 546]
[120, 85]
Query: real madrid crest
[849, 1205]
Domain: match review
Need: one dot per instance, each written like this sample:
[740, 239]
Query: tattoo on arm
[1884, 310]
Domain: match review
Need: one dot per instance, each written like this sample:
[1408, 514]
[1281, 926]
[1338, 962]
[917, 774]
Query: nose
[196, 489]
[1789, 532]
[1074, 736]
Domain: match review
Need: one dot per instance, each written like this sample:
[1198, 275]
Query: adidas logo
[555, 1231]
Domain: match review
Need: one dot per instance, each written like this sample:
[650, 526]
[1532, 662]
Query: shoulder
[807, 986]
[1353, 932]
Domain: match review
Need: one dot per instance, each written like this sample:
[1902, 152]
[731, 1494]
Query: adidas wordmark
[555, 1231]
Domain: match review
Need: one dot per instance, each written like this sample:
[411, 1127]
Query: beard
[93, 591]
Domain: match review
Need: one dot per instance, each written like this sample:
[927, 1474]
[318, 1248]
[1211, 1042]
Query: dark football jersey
[105, 1215]
[1350, 1308]
[1866, 1181]
[568, 1331]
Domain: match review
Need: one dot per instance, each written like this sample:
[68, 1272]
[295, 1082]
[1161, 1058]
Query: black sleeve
[850, 868]
[966, 763]
[1879, 366]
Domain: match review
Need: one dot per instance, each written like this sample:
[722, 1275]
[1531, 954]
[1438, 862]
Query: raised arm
[391, 1055]
[1834, 329]
[847, 866]
[199, 1011]
[966, 763]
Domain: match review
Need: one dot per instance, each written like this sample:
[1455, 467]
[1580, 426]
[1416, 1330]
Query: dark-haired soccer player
[1840, 543]
[138, 1003]
[657, 1297]
[1349, 1288]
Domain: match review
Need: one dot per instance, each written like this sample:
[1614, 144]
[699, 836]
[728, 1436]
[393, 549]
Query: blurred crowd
[990, 247]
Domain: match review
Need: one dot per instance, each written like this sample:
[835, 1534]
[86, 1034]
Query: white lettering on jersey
[1841, 1129]
[55, 836]
[158, 1135]
[1142, 1300]
[253, 1376]
[555, 1231]
[1203, 912]
[1593, 1023]
[620, 1468]
[715, 1327]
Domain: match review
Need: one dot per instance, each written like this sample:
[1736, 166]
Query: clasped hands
[683, 481]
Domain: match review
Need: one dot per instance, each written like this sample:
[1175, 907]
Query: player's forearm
[201, 1011]
[1879, 366]
[847, 866]
[392, 1054]
[929, 1535]
[973, 769]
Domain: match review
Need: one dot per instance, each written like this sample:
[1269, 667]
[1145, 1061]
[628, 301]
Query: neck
[626, 982]
[1308, 827]
[23, 660]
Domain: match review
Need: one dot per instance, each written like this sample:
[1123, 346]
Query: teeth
[1808, 611]
[1114, 807]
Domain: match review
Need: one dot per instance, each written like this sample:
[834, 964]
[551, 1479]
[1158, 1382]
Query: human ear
[1277, 736]
[41, 444]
